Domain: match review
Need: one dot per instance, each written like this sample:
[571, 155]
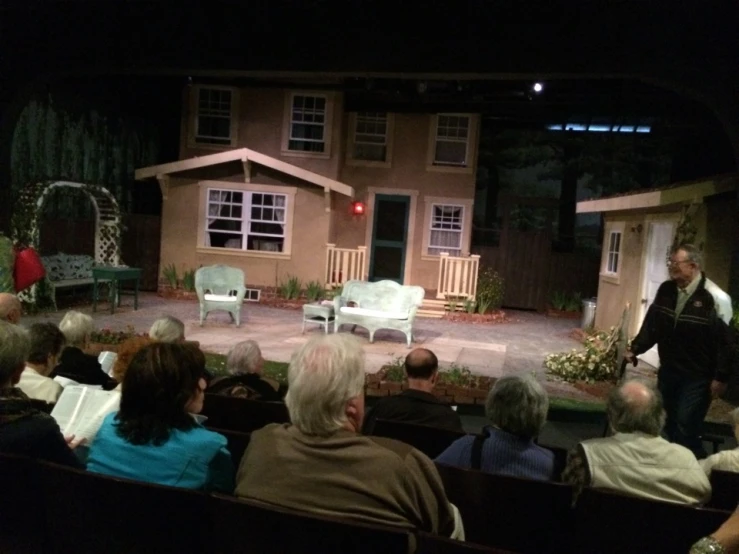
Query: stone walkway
[517, 346]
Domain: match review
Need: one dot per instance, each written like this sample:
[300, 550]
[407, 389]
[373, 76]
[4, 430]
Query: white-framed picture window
[370, 142]
[215, 117]
[246, 220]
[446, 226]
[452, 140]
[307, 126]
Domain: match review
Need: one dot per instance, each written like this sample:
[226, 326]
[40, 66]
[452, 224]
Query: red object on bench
[28, 268]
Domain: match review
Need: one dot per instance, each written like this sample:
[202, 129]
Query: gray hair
[627, 413]
[692, 252]
[167, 329]
[76, 327]
[518, 405]
[244, 357]
[15, 346]
[324, 374]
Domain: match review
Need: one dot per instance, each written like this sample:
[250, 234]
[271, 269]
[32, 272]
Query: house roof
[244, 155]
[677, 193]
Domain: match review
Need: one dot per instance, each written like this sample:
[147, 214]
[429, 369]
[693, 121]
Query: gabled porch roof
[247, 157]
[678, 193]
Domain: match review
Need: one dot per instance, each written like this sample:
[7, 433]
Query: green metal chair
[220, 287]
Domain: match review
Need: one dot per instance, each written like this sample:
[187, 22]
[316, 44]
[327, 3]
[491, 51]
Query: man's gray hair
[167, 329]
[628, 413]
[692, 252]
[324, 374]
[15, 346]
[77, 327]
[518, 405]
[243, 358]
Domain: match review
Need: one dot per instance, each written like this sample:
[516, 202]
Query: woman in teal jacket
[155, 436]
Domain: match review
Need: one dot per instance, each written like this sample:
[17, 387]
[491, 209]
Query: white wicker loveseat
[380, 305]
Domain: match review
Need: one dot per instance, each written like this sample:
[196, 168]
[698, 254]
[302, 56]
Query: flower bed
[497, 316]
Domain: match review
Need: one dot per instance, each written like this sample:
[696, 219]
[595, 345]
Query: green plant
[106, 336]
[452, 304]
[574, 301]
[469, 306]
[597, 362]
[188, 280]
[290, 289]
[395, 370]
[170, 274]
[458, 375]
[559, 300]
[490, 290]
[313, 291]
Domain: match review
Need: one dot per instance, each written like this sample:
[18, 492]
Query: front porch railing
[345, 264]
[457, 276]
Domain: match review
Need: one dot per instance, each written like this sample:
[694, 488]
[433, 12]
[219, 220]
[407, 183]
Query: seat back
[242, 414]
[218, 279]
[386, 296]
[434, 544]
[560, 459]
[608, 523]
[432, 441]
[512, 513]
[91, 513]
[237, 443]
[22, 517]
[725, 487]
[246, 526]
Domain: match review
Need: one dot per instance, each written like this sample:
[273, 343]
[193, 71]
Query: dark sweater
[246, 385]
[697, 344]
[414, 406]
[83, 368]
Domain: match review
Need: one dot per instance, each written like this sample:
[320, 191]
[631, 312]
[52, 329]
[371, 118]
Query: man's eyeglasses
[670, 263]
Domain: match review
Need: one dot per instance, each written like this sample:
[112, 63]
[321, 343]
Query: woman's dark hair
[46, 340]
[160, 381]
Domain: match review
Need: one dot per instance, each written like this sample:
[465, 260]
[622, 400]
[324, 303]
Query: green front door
[389, 236]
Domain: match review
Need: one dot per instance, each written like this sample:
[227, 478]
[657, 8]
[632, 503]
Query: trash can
[588, 313]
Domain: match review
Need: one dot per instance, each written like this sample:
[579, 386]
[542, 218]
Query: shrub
[574, 302]
[559, 300]
[313, 291]
[395, 370]
[456, 375]
[490, 290]
[106, 336]
[188, 280]
[290, 289]
[469, 306]
[597, 362]
[170, 274]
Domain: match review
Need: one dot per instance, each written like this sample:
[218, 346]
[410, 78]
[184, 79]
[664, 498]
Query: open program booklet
[80, 410]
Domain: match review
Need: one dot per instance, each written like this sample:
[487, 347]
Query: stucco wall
[720, 233]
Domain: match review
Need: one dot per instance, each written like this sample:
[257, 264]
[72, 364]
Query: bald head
[10, 308]
[421, 363]
[636, 407]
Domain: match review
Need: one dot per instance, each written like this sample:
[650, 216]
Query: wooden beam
[327, 199]
[163, 184]
[190, 163]
[247, 169]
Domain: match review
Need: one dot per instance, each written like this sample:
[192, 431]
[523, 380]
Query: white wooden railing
[457, 276]
[345, 264]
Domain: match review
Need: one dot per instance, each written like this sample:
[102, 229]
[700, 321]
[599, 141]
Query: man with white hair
[636, 460]
[167, 329]
[75, 363]
[321, 463]
[10, 308]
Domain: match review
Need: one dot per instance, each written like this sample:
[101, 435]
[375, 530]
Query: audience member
[322, 464]
[10, 308]
[47, 342]
[75, 364]
[167, 329]
[636, 460]
[517, 410]
[245, 364]
[725, 540]
[416, 404]
[23, 429]
[126, 351]
[154, 436]
[728, 460]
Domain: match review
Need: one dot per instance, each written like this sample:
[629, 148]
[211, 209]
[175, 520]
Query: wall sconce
[357, 208]
[637, 229]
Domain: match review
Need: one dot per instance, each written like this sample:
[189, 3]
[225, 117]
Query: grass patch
[572, 405]
[216, 364]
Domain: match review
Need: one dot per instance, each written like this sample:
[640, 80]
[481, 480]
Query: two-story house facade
[272, 180]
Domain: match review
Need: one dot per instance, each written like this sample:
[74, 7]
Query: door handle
[644, 301]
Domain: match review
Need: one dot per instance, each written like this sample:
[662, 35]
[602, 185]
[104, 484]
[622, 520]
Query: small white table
[321, 314]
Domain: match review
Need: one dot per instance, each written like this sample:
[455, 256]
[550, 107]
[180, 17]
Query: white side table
[321, 314]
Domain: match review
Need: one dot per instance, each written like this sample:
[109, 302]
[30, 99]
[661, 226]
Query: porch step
[432, 314]
[431, 308]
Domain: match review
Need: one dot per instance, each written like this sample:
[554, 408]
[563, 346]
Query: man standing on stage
[688, 321]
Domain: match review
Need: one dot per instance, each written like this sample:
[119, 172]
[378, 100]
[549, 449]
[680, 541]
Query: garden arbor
[25, 226]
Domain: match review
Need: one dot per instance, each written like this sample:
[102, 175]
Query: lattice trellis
[25, 226]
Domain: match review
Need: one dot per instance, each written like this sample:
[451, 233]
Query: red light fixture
[357, 208]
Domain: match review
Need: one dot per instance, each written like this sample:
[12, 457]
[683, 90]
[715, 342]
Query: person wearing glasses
[688, 321]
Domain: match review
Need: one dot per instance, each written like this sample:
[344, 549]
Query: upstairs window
[214, 116]
[307, 129]
[370, 137]
[451, 146]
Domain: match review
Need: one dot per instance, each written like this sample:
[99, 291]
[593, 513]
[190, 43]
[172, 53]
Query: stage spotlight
[538, 87]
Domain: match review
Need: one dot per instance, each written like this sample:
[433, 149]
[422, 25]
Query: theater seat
[242, 414]
[725, 490]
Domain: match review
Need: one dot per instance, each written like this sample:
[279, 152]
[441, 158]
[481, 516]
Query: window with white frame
[370, 137]
[246, 220]
[213, 118]
[613, 259]
[452, 140]
[447, 222]
[307, 123]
